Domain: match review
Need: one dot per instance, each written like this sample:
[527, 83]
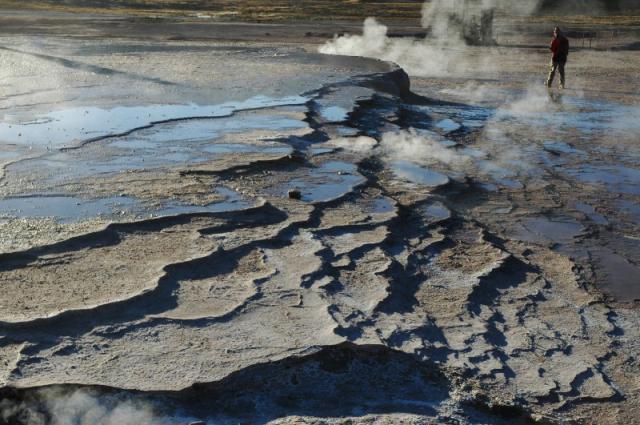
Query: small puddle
[334, 131]
[630, 208]
[382, 206]
[71, 209]
[336, 105]
[474, 123]
[347, 131]
[509, 183]
[334, 114]
[229, 148]
[591, 213]
[65, 209]
[559, 148]
[489, 187]
[502, 210]
[447, 143]
[233, 202]
[329, 181]
[617, 277]
[436, 212]
[414, 173]
[500, 176]
[470, 116]
[617, 179]
[448, 126]
[321, 151]
[541, 230]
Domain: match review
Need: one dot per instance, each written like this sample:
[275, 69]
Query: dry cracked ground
[450, 259]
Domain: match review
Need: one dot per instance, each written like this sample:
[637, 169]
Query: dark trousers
[553, 67]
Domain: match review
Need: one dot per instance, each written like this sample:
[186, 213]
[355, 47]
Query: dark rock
[295, 194]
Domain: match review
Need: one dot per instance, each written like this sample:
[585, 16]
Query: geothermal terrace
[464, 250]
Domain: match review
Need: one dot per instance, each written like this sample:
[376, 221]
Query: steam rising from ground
[417, 57]
[83, 407]
[498, 153]
[360, 144]
[436, 14]
[441, 55]
[499, 157]
[409, 145]
[404, 145]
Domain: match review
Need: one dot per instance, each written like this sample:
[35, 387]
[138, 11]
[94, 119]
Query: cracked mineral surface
[450, 259]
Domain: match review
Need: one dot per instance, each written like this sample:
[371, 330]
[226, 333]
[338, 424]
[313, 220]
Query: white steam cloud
[405, 145]
[442, 54]
[498, 152]
[84, 407]
[409, 145]
[416, 57]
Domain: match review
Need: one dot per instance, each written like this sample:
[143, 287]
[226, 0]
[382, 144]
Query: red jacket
[560, 48]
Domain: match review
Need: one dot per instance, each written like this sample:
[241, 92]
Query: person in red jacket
[560, 50]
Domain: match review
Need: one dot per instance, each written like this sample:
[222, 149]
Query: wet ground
[156, 270]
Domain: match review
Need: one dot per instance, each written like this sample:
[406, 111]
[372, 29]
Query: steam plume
[445, 51]
[56, 406]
